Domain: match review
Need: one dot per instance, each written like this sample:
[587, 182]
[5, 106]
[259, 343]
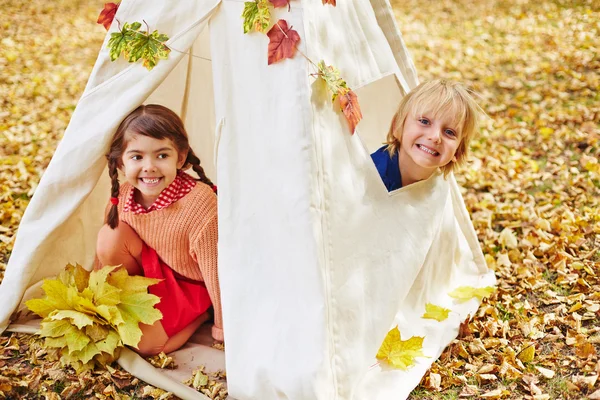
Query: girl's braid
[113, 215]
[195, 162]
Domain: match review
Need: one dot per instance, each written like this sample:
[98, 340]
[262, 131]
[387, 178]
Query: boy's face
[428, 142]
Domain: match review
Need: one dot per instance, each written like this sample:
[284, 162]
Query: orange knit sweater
[184, 235]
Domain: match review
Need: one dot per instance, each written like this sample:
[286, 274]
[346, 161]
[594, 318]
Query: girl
[162, 223]
[432, 129]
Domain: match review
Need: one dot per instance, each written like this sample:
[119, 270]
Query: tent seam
[325, 246]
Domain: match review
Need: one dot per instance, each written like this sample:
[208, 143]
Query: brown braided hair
[157, 122]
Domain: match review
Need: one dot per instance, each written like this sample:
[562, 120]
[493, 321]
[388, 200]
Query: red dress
[181, 300]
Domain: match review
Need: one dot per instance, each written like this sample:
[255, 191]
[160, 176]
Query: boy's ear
[181, 157]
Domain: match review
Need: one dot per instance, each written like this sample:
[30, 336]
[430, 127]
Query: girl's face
[150, 165]
[428, 142]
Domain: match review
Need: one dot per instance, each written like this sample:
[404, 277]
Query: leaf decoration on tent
[257, 16]
[338, 87]
[149, 48]
[465, 293]
[332, 78]
[135, 45]
[350, 108]
[108, 14]
[119, 41]
[90, 316]
[280, 3]
[282, 42]
[435, 312]
[398, 353]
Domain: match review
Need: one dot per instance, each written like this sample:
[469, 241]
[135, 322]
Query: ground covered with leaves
[532, 186]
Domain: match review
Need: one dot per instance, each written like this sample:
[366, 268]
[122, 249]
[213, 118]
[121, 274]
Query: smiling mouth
[150, 181]
[428, 150]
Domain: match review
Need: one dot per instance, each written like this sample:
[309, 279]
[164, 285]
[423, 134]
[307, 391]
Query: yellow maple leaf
[109, 343]
[465, 293]
[76, 276]
[77, 318]
[89, 316]
[54, 328]
[400, 353]
[73, 340]
[56, 298]
[527, 354]
[136, 308]
[435, 312]
[104, 292]
[97, 332]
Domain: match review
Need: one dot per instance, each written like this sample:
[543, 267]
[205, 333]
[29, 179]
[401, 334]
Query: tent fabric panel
[62, 206]
[360, 51]
[271, 285]
[376, 243]
[407, 74]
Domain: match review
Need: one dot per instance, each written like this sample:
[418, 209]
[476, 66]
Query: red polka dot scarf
[181, 186]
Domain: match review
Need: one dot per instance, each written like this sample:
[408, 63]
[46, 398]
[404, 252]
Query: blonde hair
[437, 98]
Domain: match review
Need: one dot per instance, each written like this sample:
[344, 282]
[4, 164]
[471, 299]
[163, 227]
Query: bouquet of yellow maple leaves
[90, 316]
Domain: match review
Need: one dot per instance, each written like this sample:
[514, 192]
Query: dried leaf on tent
[135, 45]
[350, 108]
[435, 312]
[465, 293]
[89, 316]
[332, 2]
[282, 42]
[331, 76]
[257, 16]
[119, 41]
[280, 3]
[339, 88]
[108, 14]
[149, 48]
[400, 353]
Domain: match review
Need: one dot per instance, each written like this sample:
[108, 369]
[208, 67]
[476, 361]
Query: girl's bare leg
[120, 246]
[154, 338]
[123, 246]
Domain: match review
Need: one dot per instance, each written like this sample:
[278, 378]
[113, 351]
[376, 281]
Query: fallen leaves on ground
[532, 187]
[212, 385]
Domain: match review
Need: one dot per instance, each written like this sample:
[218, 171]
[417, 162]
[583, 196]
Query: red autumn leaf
[108, 14]
[350, 107]
[282, 42]
[332, 2]
[464, 331]
[280, 3]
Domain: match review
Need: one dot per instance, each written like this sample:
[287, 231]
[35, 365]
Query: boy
[432, 129]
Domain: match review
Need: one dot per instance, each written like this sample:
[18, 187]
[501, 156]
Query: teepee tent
[317, 260]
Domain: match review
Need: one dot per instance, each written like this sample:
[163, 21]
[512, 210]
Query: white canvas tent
[317, 260]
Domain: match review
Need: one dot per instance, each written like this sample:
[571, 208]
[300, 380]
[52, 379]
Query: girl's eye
[450, 132]
[163, 156]
[136, 157]
[424, 121]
